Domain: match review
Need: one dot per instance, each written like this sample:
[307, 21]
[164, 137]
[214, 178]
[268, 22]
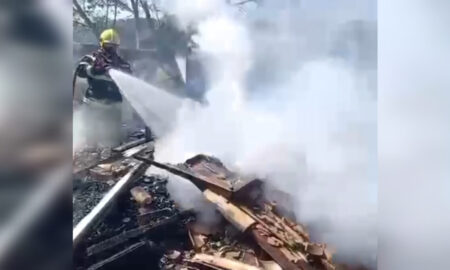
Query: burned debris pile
[137, 225]
[150, 226]
[86, 194]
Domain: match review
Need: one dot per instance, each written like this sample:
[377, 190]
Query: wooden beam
[104, 205]
[232, 213]
[200, 182]
[225, 263]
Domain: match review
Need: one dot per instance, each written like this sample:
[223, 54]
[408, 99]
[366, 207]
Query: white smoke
[97, 125]
[189, 197]
[189, 12]
[310, 130]
[413, 138]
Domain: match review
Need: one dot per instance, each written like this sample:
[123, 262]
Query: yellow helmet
[109, 36]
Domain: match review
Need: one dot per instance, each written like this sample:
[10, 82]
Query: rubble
[106, 202]
[141, 196]
[112, 235]
[110, 171]
[221, 263]
[252, 235]
[86, 194]
[129, 145]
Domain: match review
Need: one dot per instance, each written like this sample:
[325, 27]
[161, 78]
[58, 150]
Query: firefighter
[95, 68]
[102, 102]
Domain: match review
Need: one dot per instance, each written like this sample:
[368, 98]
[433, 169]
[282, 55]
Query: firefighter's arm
[99, 69]
[83, 65]
[100, 66]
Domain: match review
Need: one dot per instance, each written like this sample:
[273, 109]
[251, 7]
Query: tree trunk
[122, 5]
[135, 7]
[107, 15]
[115, 14]
[86, 19]
[148, 17]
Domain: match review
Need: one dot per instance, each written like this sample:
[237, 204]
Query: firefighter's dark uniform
[94, 67]
[102, 102]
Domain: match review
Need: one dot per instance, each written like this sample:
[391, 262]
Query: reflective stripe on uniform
[90, 56]
[100, 102]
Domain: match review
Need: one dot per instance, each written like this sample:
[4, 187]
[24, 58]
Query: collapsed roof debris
[142, 227]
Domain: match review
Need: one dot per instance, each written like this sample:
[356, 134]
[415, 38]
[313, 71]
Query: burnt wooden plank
[130, 234]
[104, 205]
[129, 145]
[127, 152]
[202, 183]
[277, 255]
[104, 264]
[145, 218]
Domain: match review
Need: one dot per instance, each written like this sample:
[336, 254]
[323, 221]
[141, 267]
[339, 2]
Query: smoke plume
[292, 99]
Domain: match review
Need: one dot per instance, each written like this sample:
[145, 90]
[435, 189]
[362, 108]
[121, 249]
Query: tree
[148, 17]
[96, 15]
[78, 10]
[135, 7]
